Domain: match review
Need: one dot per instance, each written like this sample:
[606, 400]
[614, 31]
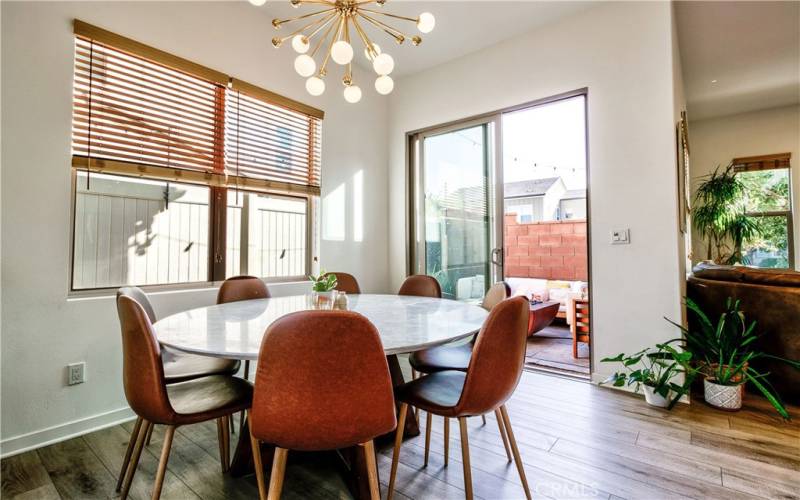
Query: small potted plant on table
[655, 369]
[323, 289]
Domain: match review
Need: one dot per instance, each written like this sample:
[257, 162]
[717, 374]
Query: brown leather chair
[214, 397]
[346, 283]
[493, 374]
[421, 285]
[442, 358]
[322, 383]
[457, 357]
[242, 288]
[178, 367]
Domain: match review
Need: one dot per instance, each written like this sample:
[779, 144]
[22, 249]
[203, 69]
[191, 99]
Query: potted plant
[324, 288]
[719, 215]
[724, 353]
[655, 369]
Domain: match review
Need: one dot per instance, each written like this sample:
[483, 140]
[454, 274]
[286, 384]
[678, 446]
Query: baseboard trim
[50, 435]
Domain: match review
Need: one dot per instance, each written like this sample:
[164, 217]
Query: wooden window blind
[267, 142]
[764, 162]
[138, 110]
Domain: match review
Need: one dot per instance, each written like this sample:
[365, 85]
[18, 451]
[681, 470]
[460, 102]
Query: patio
[550, 350]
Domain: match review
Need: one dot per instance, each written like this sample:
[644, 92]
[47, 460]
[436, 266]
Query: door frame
[416, 178]
[413, 157]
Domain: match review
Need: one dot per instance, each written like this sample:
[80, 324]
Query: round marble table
[235, 330]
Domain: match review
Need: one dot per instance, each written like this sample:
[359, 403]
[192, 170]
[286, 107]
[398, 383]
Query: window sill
[103, 293]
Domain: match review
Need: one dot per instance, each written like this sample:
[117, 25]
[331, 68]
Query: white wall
[43, 329]
[623, 53]
[716, 141]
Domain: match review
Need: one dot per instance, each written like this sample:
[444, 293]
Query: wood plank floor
[577, 441]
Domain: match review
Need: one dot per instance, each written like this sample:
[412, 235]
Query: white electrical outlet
[76, 373]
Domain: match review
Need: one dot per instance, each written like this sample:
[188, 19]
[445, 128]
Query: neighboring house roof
[523, 189]
[574, 194]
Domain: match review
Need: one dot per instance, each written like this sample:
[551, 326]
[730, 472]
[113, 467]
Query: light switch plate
[76, 373]
[620, 236]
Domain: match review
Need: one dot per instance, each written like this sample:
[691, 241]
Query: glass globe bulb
[300, 44]
[383, 64]
[384, 84]
[342, 52]
[375, 47]
[352, 94]
[258, 3]
[426, 22]
[315, 86]
[305, 65]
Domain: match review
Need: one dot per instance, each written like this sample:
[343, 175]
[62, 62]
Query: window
[184, 174]
[768, 202]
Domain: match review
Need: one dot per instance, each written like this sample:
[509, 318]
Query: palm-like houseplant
[724, 352]
[719, 215]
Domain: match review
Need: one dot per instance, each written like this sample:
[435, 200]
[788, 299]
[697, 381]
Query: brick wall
[551, 250]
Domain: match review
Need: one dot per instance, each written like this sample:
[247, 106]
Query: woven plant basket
[724, 397]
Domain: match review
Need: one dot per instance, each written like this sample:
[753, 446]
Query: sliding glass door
[454, 209]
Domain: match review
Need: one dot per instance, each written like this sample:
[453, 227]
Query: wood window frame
[777, 161]
[218, 181]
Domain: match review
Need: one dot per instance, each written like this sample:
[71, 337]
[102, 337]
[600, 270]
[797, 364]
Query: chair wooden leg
[428, 423]
[503, 435]
[398, 441]
[227, 448]
[278, 470]
[128, 452]
[255, 444]
[413, 374]
[134, 462]
[246, 377]
[462, 421]
[372, 471]
[162, 463]
[446, 440]
[231, 423]
[149, 435]
[222, 433]
[483, 419]
[517, 459]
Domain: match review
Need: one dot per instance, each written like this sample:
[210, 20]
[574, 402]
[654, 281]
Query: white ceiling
[462, 27]
[751, 49]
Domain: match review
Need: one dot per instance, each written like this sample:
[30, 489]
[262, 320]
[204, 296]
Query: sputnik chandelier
[327, 33]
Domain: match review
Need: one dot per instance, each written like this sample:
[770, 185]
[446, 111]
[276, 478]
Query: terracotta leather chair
[346, 283]
[178, 367]
[441, 358]
[214, 397]
[421, 285]
[322, 383]
[242, 288]
[457, 357]
[491, 378]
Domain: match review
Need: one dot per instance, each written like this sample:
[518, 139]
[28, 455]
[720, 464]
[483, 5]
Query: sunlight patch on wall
[358, 206]
[333, 214]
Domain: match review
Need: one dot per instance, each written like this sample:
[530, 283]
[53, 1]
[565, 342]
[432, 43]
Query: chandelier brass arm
[334, 24]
